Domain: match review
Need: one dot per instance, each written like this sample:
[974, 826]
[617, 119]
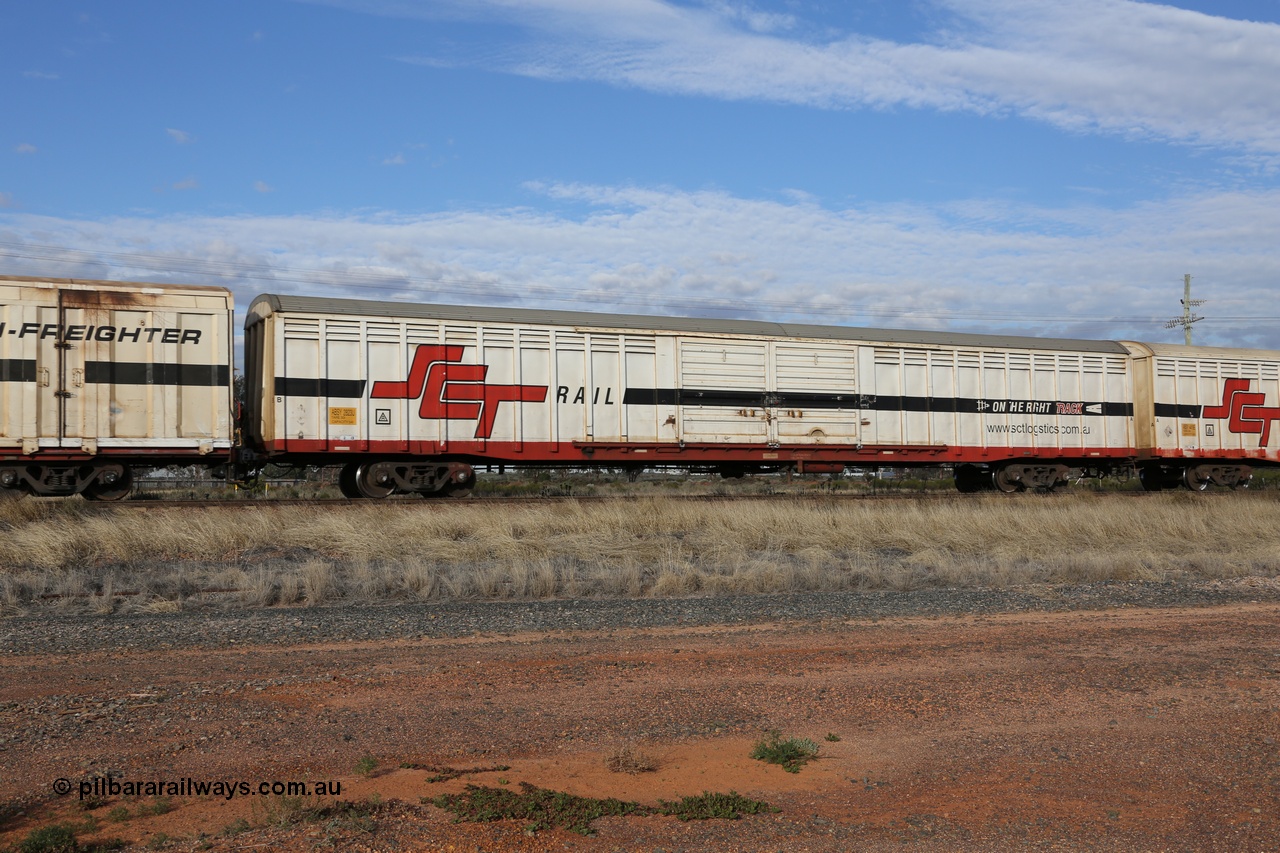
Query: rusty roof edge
[124, 285]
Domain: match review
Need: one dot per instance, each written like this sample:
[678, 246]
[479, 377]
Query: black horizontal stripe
[868, 402]
[806, 400]
[17, 370]
[714, 397]
[649, 397]
[989, 406]
[156, 373]
[1173, 410]
[736, 398]
[293, 386]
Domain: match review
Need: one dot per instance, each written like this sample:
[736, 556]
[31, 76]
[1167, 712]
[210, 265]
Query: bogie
[95, 480]
[1017, 477]
[1156, 477]
[378, 479]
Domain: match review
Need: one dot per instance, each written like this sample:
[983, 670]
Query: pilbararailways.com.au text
[101, 787]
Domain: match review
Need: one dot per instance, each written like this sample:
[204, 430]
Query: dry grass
[404, 550]
[631, 759]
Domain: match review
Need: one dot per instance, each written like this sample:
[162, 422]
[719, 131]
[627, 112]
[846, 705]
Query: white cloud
[263, 187]
[186, 184]
[1116, 66]
[179, 136]
[978, 266]
[753, 18]
[40, 75]
[7, 200]
[394, 160]
[25, 148]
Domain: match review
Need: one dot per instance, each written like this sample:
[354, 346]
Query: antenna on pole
[1188, 316]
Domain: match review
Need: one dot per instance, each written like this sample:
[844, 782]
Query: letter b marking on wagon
[451, 390]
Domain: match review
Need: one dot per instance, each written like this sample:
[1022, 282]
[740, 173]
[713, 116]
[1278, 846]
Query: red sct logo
[1244, 411]
[454, 391]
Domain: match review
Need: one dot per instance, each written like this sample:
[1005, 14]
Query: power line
[485, 290]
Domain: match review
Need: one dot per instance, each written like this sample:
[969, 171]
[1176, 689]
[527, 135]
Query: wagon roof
[97, 284]
[289, 304]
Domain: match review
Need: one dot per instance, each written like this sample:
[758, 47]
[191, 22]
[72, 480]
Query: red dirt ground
[1116, 730]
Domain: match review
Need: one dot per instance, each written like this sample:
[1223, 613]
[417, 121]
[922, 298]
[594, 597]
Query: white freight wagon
[99, 377]
[1205, 414]
[412, 393]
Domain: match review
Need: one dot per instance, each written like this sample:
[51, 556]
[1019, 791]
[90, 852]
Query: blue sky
[1036, 167]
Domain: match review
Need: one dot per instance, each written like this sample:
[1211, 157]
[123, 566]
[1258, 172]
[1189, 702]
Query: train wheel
[1243, 482]
[114, 491]
[1151, 478]
[347, 481]
[1195, 479]
[368, 485]
[969, 479]
[1004, 481]
[458, 490]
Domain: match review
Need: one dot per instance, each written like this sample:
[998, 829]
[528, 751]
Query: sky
[1014, 166]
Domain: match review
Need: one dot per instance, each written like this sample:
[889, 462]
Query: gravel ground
[1113, 716]
[53, 633]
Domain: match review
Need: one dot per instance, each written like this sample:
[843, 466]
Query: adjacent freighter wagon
[100, 380]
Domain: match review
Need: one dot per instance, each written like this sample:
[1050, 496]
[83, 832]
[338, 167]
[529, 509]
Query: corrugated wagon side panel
[1120, 386]
[640, 370]
[343, 356]
[415, 430]
[969, 431]
[569, 380]
[497, 353]
[606, 374]
[942, 379]
[298, 382]
[535, 369]
[389, 348]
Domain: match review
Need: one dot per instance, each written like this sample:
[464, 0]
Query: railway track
[411, 501]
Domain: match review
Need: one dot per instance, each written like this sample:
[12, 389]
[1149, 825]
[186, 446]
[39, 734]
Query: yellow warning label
[1189, 430]
[342, 416]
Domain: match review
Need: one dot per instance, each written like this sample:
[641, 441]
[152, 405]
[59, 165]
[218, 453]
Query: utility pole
[1188, 316]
